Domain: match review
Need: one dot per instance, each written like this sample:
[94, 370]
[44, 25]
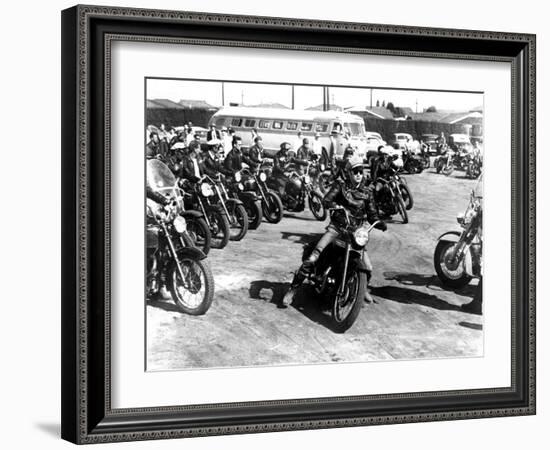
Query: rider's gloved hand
[381, 226]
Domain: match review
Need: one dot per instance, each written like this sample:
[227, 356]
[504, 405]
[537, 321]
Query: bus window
[236, 122]
[321, 127]
[277, 124]
[292, 125]
[220, 122]
[264, 124]
[337, 126]
[306, 126]
[250, 123]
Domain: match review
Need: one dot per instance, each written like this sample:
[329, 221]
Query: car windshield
[355, 128]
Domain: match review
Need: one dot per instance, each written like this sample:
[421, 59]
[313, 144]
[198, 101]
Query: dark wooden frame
[87, 31]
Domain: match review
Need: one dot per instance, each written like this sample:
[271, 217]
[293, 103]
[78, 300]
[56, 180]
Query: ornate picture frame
[88, 33]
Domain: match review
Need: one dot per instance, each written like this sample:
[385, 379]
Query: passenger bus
[276, 125]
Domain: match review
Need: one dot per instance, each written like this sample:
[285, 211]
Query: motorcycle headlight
[206, 190]
[307, 179]
[263, 176]
[361, 236]
[179, 224]
[240, 186]
[322, 167]
[238, 177]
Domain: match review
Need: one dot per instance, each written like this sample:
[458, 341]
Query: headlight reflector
[206, 190]
[179, 224]
[263, 176]
[361, 236]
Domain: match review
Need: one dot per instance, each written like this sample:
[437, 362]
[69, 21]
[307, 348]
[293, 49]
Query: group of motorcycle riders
[350, 188]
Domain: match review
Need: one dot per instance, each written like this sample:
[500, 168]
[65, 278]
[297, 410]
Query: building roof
[331, 107]
[196, 104]
[165, 103]
[269, 105]
[380, 112]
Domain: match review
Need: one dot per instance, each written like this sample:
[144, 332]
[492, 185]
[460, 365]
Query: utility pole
[242, 97]
[416, 108]
[292, 96]
[371, 97]
[223, 93]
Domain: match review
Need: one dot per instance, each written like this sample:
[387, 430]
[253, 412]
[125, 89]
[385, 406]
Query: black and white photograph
[291, 224]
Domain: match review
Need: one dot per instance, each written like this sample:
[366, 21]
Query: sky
[306, 96]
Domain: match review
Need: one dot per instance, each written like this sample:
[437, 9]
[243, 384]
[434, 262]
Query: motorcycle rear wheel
[345, 312]
[273, 210]
[456, 278]
[315, 204]
[407, 196]
[239, 224]
[193, 295]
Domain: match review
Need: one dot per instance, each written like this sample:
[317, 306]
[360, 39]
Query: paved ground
[413, 317]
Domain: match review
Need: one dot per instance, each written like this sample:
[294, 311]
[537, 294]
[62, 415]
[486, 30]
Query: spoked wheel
[402, 210]
[200, 234]
[324, 183]
[239, 224]
[407, 196]
[193, 294]
[273, 208]
[315, 203]
[346, 308]
[451, 273]
[219, 227]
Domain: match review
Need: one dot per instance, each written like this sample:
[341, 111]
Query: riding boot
[305, 269]
[368, 296]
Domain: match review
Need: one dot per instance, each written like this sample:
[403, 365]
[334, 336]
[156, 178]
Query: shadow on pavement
[472, 326]
[166, 305]
[303, 238]
[304, 302]
[412, 296]
[429, 281]
[277, 288]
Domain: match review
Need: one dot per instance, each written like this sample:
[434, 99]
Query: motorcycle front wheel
[200, 234]
[273, 207]
[324, 183]
[449, 276]
[194, 293]
[315, 203]
[239, 224]
[219, 227]
[407, 196]
[447, 170]
[402, 209]
[346, 308]
[255, 214]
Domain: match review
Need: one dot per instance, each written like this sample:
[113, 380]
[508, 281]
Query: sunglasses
[357, 171]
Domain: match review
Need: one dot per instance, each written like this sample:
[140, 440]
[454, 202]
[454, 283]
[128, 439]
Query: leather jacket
[213, 166]
[233, 161]
[254, 156]
[358, 200]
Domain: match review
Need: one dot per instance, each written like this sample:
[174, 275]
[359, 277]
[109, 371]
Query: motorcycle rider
[255, 154]
[212, 162]
[281, 160]
[234, 159]
[192, 167]
[354, 195]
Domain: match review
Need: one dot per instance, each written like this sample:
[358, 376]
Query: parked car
[405, 141]
[431, 140]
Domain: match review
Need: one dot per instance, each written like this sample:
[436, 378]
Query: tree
[391, 107]
[383, 103]
[377, 103]
[431, 109]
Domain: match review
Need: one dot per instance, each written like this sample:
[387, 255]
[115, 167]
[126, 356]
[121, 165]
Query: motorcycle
[473, 167]
[393, 196]
[340, 276]
[205, 197]
[320, 175]
[255, 181]
[171, 255]
[457, 256]
[298, 188]
[413, 164]
[234, 210]
[444, 163]
[252, 201]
